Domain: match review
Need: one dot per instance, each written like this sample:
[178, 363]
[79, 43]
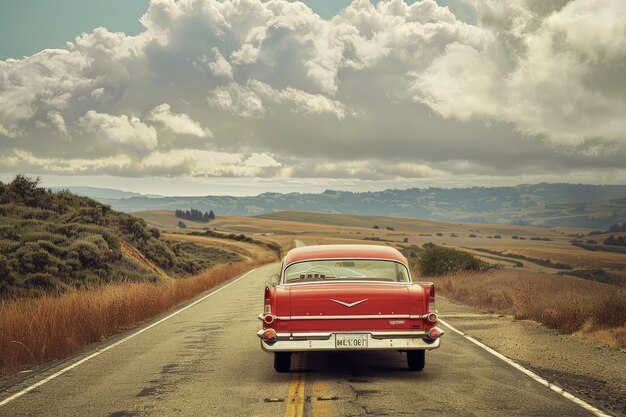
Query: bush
[440, 261]
[50, 242]
[44, 282]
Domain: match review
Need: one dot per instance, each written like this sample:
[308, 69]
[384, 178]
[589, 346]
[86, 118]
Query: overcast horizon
[240, 97]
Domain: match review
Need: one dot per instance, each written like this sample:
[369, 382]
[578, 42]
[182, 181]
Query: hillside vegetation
[435, 260]
[54, 241]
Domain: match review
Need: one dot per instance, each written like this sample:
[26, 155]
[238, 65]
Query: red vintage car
[347, 297]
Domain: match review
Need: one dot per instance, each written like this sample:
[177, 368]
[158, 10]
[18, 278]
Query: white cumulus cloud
[121, 129]
[179, 123]
[391, 90]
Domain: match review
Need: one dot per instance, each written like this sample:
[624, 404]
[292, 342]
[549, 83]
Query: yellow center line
[320, 408]
[295, 399]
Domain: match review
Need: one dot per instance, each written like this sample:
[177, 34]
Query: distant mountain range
[98, 193]
[549, 205]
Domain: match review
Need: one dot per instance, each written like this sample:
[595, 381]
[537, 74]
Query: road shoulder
[593, 372]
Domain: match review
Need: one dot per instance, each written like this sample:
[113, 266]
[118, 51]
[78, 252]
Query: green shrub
[160, 253]
[50, 242]
[440, 261]
[44, 282]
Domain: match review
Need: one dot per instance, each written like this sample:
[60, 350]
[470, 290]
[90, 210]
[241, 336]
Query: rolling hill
[547, 205]
[51, 242]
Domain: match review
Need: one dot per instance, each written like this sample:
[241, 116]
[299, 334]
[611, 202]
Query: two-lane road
[206, 361]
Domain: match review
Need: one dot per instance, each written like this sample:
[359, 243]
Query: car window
[357, 269]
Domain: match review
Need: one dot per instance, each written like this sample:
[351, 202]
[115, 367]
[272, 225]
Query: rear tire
[416, 359]
[282, 361]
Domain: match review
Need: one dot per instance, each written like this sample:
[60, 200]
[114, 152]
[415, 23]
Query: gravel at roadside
[593, 372]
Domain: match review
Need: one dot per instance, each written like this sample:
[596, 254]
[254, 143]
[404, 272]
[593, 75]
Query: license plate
[350, 341]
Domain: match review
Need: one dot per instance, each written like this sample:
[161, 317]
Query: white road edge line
[119, 342]
[530, 373]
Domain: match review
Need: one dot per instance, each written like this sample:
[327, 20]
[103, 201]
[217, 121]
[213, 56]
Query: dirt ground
[248, 251]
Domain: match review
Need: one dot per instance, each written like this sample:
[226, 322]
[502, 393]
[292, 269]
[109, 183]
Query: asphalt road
[206, 361]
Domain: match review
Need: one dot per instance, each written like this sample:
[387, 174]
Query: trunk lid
[332, 306]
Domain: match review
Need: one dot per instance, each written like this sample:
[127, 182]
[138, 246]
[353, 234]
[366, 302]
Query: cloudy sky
[246, 96]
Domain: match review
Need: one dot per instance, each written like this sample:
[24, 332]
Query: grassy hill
[391, 224]
[51, 242]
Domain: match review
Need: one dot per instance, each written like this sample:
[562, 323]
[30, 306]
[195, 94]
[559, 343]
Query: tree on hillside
[211, 215]
[194, 215]
[181, 225]
[615, 241]
[618, 228]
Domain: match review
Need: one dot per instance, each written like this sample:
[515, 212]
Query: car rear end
[349, 313]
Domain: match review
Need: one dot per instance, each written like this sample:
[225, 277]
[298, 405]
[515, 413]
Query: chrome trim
[351, 281]
[401, 334]
[377, 340]
[349, 305]
[375, 334]
[353, 317]
[309, 336]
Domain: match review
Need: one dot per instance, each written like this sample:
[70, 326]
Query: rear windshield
[346, 269]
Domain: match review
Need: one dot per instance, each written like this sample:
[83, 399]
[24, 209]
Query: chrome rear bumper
[376, 340]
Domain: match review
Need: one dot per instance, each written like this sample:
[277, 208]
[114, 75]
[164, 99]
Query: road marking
[530, 373]
[119, 342]
[321, 407]
[295, 398]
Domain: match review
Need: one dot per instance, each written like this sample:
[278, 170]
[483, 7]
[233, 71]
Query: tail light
[267, 308]
[433, 333]
[432, 317]
[268, 319]
[269, 335]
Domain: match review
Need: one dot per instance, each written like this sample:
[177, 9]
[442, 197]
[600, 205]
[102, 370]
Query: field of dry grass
[547, 246]
[34, 331]
[568, 304]
[246, 250]
[532, 291]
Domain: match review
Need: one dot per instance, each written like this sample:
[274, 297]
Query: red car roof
[343, 252]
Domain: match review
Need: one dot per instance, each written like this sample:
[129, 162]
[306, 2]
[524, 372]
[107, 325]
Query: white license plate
[350, 341]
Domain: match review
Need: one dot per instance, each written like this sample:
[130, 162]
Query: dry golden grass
[248, 251]
[613, 337]
[564, 303]
[282, 227]
[34, 331]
